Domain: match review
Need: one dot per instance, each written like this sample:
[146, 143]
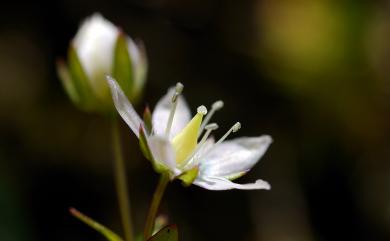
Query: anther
[178, 89]
[217, 105]
[236, 127]
[212, 126]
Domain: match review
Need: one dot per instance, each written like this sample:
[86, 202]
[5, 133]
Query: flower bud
[99, 49]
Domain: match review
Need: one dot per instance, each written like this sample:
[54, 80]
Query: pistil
[191, 160]
[186, 140]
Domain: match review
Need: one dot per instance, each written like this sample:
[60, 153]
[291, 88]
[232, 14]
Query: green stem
[121, 182]
[157, 196]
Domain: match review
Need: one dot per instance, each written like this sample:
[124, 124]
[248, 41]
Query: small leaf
[169, 233]
[122, 67]
[111, 236]
[144, 145]
[160, 222]
[147, 116]
[67, 82]
[189, 176]
[236, 175]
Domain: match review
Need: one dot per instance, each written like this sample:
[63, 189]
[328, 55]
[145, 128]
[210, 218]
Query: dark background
[314, 74]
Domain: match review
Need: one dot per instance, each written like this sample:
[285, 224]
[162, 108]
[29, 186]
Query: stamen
[178, 89]
[214, 107]
[233, 129]
[209, 128]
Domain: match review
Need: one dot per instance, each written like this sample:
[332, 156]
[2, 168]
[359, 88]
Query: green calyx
[93, 95]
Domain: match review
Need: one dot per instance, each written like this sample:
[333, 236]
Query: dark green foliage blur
[314, 74]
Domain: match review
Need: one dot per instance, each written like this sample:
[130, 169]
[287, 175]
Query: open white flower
[173, 142]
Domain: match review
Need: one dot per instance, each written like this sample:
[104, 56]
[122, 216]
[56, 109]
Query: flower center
[192, 160]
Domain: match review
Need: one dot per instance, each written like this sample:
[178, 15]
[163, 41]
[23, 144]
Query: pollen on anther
[179, 87]
[236, 127]
[212, 126]
[217, 105]
[202, 110]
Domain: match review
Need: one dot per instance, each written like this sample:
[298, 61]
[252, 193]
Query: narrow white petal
[219, 184]
[162, 151]
[124, 107]
[231, 158]
[161, 114]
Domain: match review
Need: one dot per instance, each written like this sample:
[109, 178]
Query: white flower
[94, 44]
[100, 48]
[174, 144]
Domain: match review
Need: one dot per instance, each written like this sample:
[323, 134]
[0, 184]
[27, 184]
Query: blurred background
[314, 74]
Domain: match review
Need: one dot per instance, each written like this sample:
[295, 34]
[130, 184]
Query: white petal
[232, 158]
[218, 184]
[162, 151]
[124, 107]
[206, 146]
[94, 44]
[161, 114]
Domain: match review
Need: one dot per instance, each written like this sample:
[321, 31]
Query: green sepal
[160, 222]
[189, 176]
[67, 82]
[139, 237]
[237, 175]
[144, 145]
[168, 233]
[88, 100]
[122, 67]
[110, 235]
[147, 116]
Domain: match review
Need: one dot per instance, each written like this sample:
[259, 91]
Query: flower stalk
[154, 206]
[121, 182]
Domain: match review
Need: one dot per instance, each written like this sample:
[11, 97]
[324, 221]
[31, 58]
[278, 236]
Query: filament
[178, 89]
[214, 107]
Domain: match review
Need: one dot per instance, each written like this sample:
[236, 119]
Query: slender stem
[121, 182]
[157, 196]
